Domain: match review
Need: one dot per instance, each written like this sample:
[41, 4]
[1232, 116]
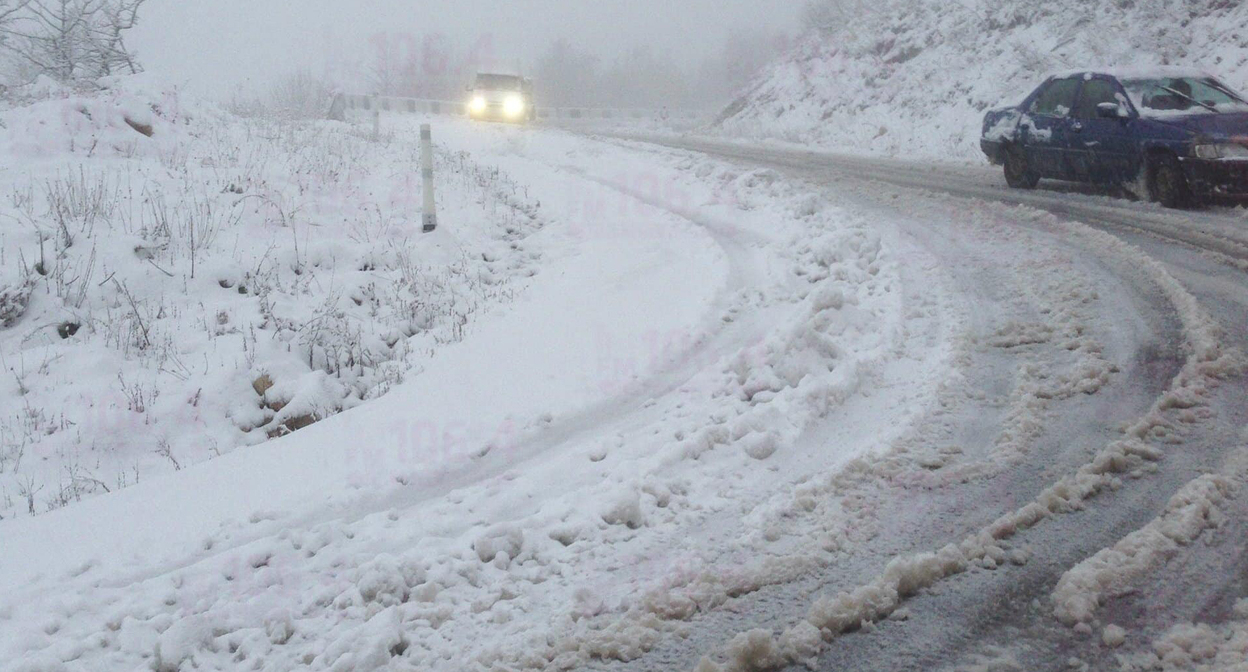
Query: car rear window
[1057, 99]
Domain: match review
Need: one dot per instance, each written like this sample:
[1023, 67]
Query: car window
[1057, 99]
[1095, 92]
[1183, 95]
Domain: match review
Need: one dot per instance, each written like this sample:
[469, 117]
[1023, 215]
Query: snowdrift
[128, 117]
[914, 78]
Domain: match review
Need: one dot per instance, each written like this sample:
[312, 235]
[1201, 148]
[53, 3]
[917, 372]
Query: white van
[496, 97]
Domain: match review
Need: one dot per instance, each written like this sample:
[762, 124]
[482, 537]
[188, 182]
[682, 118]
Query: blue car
[1181, 135]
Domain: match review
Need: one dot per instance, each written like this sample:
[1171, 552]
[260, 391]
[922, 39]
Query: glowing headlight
[513, 106]
[1221, 151]
[477, 105]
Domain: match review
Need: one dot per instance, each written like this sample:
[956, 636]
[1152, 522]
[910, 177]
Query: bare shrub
[13, 301]
[299, 95]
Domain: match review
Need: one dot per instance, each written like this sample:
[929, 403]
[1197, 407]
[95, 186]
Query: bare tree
[72, 40]
[9, 8]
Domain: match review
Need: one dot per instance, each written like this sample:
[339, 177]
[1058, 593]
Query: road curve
[1216, 230]
[1006, 259]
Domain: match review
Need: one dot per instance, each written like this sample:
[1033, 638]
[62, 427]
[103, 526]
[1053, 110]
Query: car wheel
[1018, 172]
[1170, 186]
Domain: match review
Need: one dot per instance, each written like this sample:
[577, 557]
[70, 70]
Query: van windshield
[498, 82]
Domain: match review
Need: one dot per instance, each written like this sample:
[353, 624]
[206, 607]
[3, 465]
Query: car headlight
[478, 104]
[1223, 150]
[513, 106]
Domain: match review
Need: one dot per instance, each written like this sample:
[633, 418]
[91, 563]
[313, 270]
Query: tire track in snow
[1192, 510]
[906, 576]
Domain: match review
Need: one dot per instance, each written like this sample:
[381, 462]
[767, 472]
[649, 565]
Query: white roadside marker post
[426, 170]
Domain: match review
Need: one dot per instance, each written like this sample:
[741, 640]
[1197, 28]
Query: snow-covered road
[757, 408]
[1218, 231]
[1146, 312]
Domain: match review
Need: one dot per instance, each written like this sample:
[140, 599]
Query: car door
[1101, 149]
[1046, 126]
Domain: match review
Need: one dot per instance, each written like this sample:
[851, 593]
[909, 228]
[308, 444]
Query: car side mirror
[1112, 111]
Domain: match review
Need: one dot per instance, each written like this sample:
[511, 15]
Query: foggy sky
[215, 46]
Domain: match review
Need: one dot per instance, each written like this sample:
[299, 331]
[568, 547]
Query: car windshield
[1169, 96]
[498, 82]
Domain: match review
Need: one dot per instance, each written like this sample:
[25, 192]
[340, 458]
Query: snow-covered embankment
[913, 79]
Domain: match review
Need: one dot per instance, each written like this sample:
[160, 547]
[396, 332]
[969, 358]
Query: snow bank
[136, 116]
[915, 78]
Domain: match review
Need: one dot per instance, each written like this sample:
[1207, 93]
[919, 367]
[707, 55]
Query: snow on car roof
[1134, 72]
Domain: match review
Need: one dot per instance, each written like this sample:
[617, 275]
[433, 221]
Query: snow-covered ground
[170, 298]
[630, 407]
[914, 78]
[624, 351]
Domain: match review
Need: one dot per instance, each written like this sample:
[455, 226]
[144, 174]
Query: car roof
[1133, 72]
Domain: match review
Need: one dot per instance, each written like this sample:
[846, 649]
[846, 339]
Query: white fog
[624, 336]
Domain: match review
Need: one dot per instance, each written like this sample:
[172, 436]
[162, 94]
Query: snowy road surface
[758, 409]
[1045, 279]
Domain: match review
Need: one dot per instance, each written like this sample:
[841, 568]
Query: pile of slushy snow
[176, 281]
[914, 78]
[1198, 647]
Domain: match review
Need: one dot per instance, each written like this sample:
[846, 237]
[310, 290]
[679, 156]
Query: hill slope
[913, 78]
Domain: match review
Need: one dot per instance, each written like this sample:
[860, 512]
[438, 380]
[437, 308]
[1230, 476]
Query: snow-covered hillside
[178, 281]
[913, 78]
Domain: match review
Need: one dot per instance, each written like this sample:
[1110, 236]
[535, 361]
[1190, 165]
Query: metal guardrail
[345, 101]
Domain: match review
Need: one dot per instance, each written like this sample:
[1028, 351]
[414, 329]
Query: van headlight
[513, 106]
[1222, 150]
[477, 105]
